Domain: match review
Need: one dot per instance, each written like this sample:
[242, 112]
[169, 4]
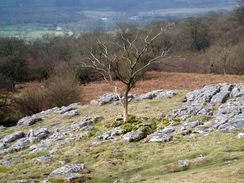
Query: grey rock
[165, 94]
[232, 126]
[183, 163]
[68, 169]
[44, 159]
[196, 124]
[39, 133]
[223, 94]
[106, 99]
[19, 145]
[164, 135]
[167, 131]
[161, 138]
[157, 94]
[220, 97]
[29, 120]
[147, 96]
[134, 136]
[85, 123]
[42, 145]
[238, 90]
[65, 109]
[110, 135]
[13, 137]
[117, 181]
[72, 113]
[70, 172]
[12, 161]
[26, 181]
[199, 159]
[203, 95]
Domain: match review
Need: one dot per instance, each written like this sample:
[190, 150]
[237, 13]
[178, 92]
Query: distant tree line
[22, 61]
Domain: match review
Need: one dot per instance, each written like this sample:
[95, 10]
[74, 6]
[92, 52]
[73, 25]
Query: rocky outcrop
[70, 173]
[29, 120]
[108, 98]
[13, 137]
[164, 135]
[39, 134]
[157, 94]
[134, 136]
[85, 123]
[213, 108]
[111, 135]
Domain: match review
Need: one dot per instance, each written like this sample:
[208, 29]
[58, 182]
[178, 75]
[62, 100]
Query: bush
[63, 87]
[8, 115]
[31, 101]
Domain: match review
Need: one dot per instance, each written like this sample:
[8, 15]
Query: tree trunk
[125, 109]
[125, 104]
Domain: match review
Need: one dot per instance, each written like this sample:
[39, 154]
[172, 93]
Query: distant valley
[31, 18]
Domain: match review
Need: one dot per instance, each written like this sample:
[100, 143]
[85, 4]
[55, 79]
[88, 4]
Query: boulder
[183, 163]
[70, 173]
[134, 136]
[65, 109]
[110, 135]
[147, 96]
[232, 126]
[41, 146]
[71, 114]
[162, 135]
[237, 91]
[29, 120]
[160, 138]
[106, 99]
[13, 137]
[19, 145]
[40, 133]
[165, 94]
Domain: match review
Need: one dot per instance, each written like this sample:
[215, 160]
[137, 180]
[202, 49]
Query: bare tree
[125, 60]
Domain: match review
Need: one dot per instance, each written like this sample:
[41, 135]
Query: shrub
[63, 87]
[31, 101]
[128, 127]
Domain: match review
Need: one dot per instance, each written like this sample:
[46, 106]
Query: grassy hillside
[223, 154]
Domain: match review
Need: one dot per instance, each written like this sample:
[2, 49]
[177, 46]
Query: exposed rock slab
[134, 136]
[13, 137]
[70, 173]
[29, 120]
